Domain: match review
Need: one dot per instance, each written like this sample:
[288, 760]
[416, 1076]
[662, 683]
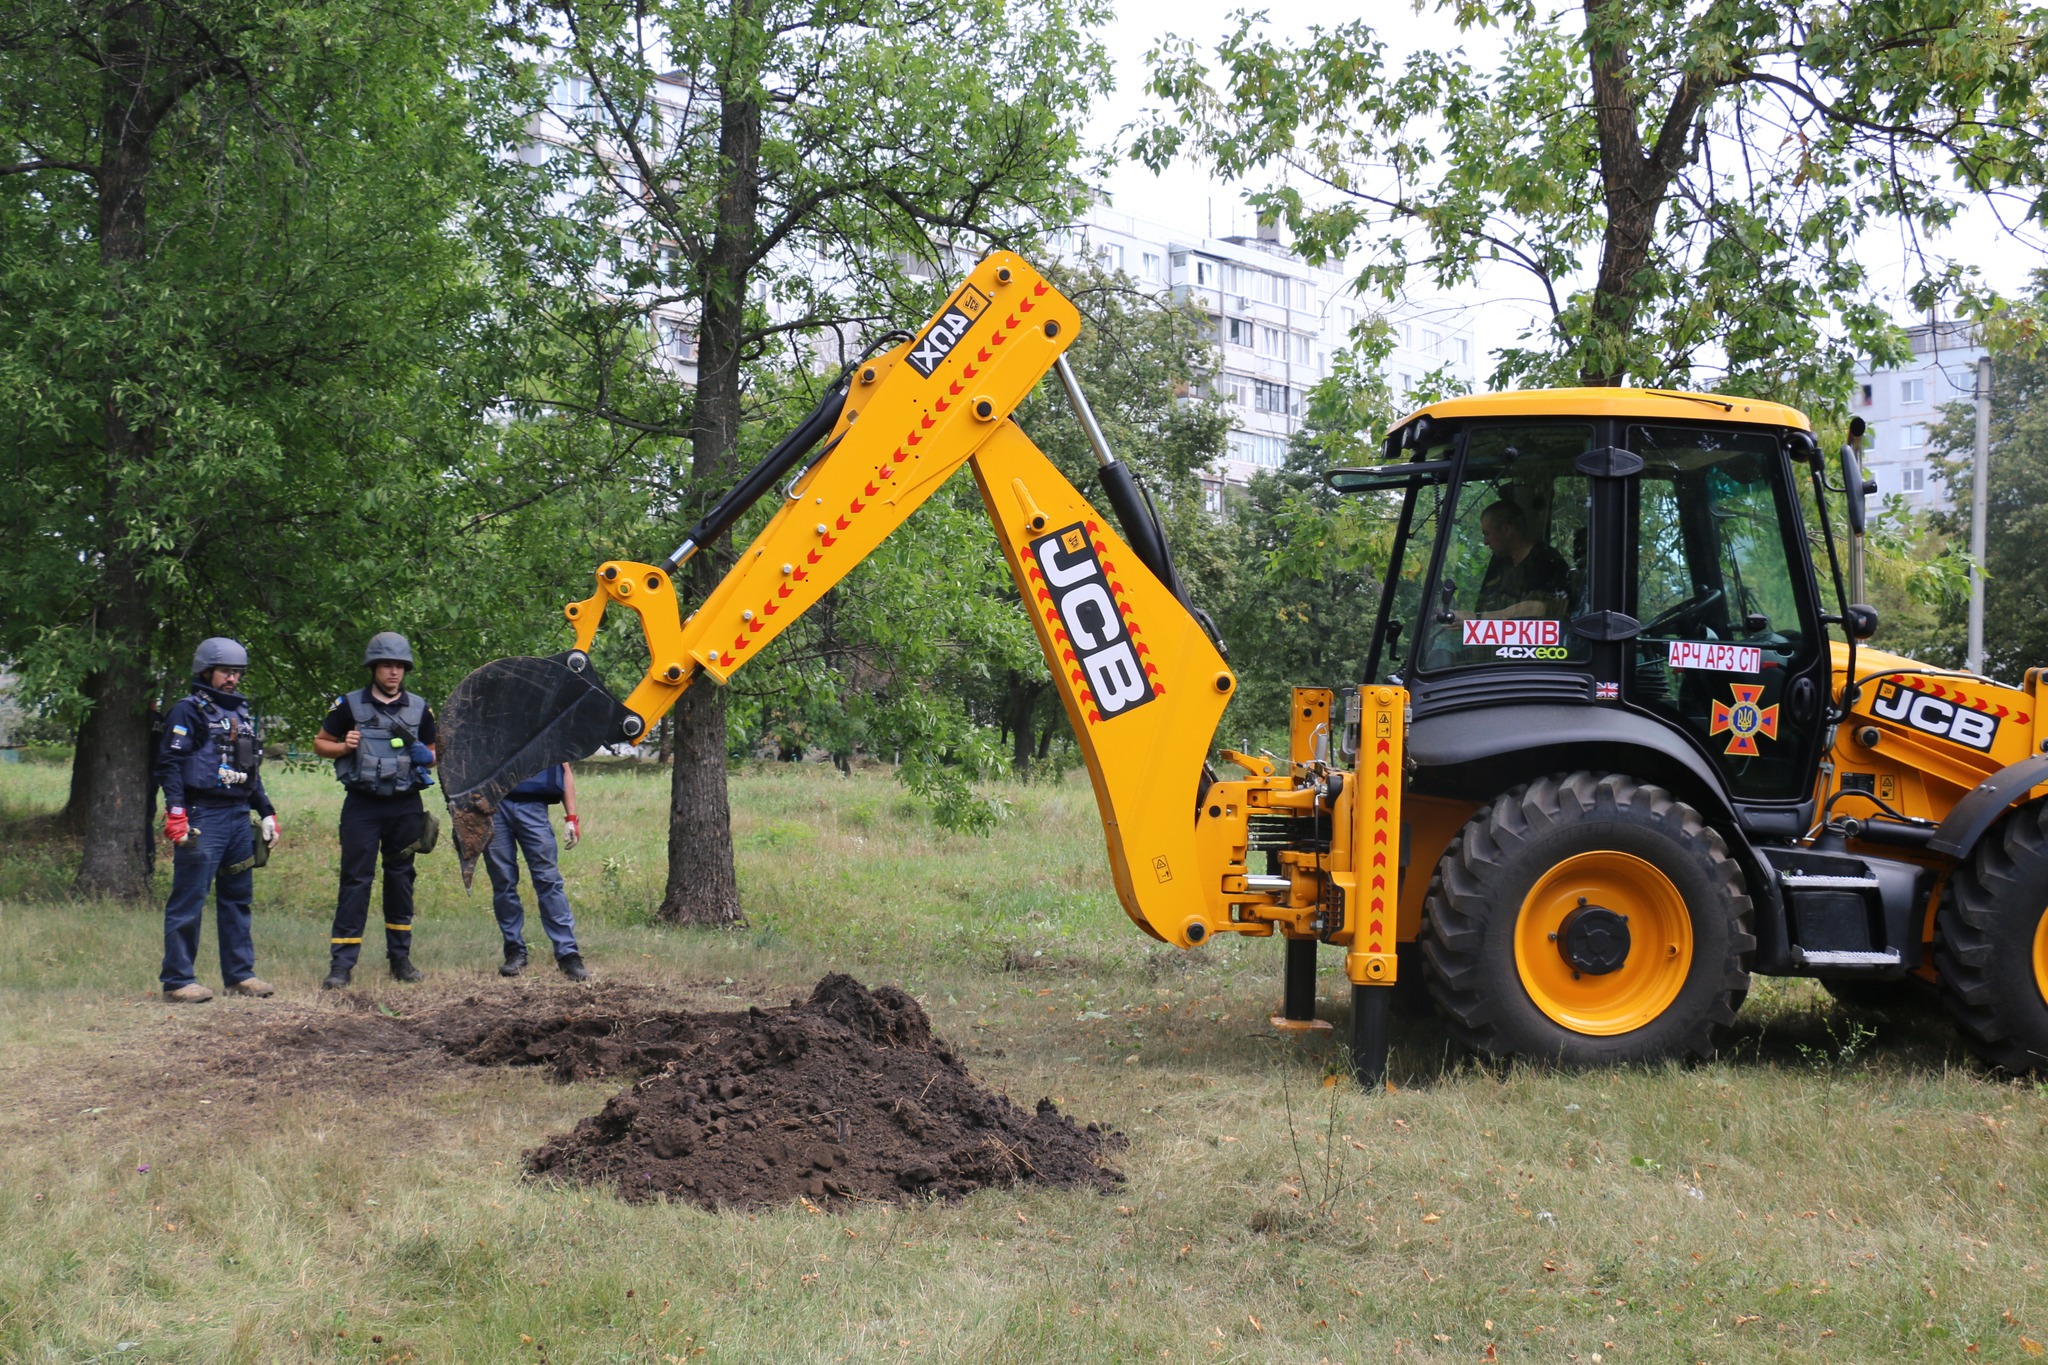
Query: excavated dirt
[846, 1096]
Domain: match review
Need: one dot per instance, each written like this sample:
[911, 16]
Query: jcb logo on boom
[938, 342]
[1933, 716]
[1094, 624]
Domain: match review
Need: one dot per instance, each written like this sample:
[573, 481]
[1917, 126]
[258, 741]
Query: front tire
[1991, 944]
[1587, 920]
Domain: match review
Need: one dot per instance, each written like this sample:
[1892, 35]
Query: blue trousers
[220, 838]
[523, 826]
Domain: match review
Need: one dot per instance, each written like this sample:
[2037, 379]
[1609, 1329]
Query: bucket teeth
[507, 721]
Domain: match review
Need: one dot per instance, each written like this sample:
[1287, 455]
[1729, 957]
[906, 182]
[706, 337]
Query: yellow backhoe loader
[1606, 760]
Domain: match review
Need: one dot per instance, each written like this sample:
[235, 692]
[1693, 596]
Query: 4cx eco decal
[946, 330]
[1745, 718]
[1098, 644]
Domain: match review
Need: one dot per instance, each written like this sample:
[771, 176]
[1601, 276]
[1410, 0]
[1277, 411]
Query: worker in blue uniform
[209, 768]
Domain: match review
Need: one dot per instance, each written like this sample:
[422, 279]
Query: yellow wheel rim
[2041, 955]
[1659, 952]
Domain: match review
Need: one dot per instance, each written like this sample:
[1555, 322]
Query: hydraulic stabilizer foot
[1371, 1009]
[1298, 991]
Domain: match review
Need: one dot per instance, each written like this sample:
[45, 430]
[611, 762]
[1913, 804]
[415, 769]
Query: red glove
[575, 828]
[176, 828]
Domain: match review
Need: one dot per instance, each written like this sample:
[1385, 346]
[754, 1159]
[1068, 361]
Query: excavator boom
[1143, 682]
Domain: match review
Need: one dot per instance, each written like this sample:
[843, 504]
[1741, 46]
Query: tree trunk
[114, 861]
[1022, 707]
[1634, 181]
[702, 885]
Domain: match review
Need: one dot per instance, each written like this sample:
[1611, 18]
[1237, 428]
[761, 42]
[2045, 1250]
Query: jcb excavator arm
[1143, 683]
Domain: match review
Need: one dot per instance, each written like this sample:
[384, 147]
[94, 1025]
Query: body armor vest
[382, 762]
[224, 763]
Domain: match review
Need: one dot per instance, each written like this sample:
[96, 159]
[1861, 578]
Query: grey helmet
[388, 646]
[218, 651]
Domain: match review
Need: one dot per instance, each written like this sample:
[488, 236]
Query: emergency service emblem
[1746, 719]
[1095, 640]
[946, 330]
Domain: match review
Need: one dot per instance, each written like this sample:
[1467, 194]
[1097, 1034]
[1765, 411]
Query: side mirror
[1860, 622]
[1804, 448]
[1855, 488]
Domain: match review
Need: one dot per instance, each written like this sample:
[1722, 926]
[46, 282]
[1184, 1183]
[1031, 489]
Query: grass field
[1839, 1188]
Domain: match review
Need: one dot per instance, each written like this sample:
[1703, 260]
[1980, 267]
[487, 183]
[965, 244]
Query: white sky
[1190, 196]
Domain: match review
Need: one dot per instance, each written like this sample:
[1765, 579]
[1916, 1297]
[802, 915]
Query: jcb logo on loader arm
[1097, 648]
[944, 334]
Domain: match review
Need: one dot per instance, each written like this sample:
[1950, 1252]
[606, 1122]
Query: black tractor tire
[1988, 943]
[1478, 894]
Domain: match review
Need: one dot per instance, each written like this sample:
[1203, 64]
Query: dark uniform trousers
[371, 825]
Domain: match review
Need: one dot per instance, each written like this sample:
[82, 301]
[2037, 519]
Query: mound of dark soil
[846, 1096]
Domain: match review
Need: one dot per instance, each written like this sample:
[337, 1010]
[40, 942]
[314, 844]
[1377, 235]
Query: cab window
[1514, 570]
[1722, 628]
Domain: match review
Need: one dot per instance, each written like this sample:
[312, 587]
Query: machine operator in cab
[381, 740]
[1526, 578]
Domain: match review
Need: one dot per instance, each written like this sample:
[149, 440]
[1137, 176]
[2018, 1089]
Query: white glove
[232, 777]
[270, 830]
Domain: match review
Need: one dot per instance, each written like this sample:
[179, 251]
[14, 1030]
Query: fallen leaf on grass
[1432, 1218]
[1255, 1324]
[1745, 1319]
[2031, 1346]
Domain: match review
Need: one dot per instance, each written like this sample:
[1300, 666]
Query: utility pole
[1980, 477]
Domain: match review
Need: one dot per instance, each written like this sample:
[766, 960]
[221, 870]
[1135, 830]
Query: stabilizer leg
[1372, 1007]
[1298, 1003]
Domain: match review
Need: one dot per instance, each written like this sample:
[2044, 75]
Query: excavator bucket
[507, 721]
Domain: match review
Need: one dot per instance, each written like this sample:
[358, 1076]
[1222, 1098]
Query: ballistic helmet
[388, 646]
[218, 651]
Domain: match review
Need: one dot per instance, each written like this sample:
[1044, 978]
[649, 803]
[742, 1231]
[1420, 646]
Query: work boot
[193, 994]
[572, 966]
[337, 977]
[403, 970]
[253, 985]
[515, 959]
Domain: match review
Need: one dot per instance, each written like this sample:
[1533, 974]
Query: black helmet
[218, 651]
[388, 646]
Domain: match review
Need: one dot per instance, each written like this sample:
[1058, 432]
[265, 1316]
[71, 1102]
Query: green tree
[2016, 512]
[239, 302]
[804, 156]
[1684, 182]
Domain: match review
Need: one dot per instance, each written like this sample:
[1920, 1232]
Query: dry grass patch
[1841, 1188]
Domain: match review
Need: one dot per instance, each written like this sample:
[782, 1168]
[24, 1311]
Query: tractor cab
[1605, 567]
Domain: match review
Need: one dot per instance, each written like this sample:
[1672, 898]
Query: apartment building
[1278, 321]
[1903, 405]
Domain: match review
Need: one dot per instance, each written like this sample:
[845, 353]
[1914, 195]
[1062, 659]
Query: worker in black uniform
[381, 740]
[208, 766]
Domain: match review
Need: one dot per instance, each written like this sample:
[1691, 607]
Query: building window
[1155, 267]
[1212, 499]
[571, 96]
[1205, 271]
[674, 341]
[1464, 351]
[1912, 436]
[1868, 398]
[1275, 398]
[1912, 391]
[1240, 332]
[1913, 479]
[1112, 256]
[1273, 342]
